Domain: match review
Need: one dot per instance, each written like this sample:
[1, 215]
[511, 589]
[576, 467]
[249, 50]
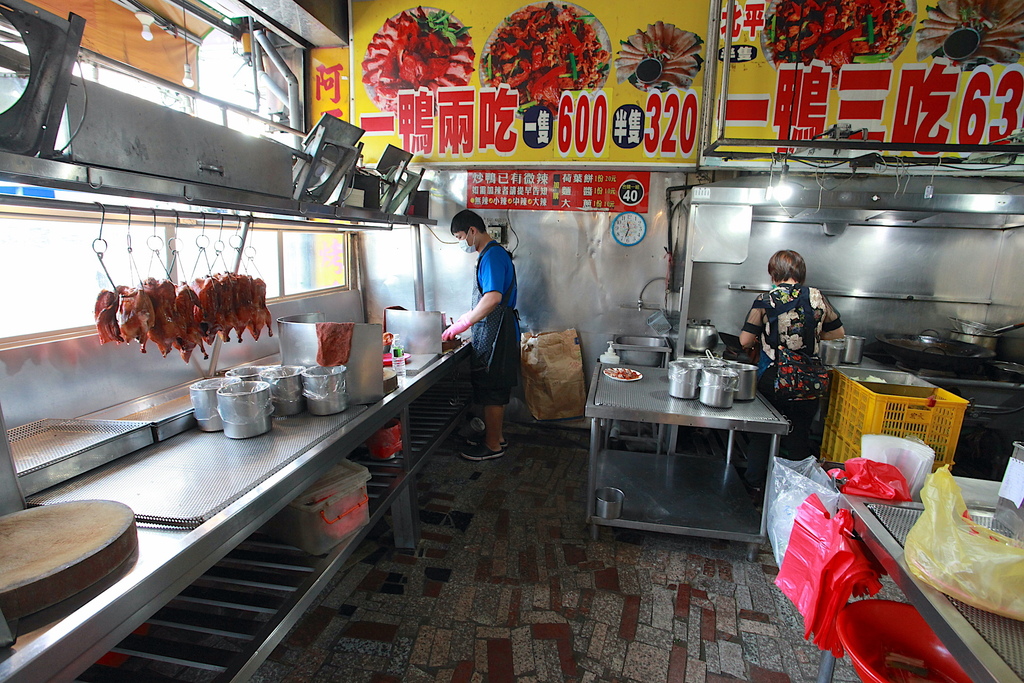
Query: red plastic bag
[872, 479]
[823, 567]
[386, 442]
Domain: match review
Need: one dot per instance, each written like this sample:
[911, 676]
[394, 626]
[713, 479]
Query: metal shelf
[233, 616]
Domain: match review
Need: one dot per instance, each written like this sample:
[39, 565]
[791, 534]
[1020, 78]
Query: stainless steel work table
[170, 560]
[675, 493]
[990, 648]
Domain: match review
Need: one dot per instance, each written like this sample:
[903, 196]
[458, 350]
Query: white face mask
[466, 246]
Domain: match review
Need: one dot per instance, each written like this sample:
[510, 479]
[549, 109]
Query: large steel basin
[647, 351]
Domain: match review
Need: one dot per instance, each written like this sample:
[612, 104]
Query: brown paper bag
[552, 368]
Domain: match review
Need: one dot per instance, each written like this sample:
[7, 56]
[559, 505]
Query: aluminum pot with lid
[746, 381]
[718, 387]
[245, 408]
[700, 336]
[683, 377]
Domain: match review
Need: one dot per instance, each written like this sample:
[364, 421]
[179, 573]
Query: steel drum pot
[325, 390]
[204, 402]
[285, 388]
[245, 408]
[683, 376]
[700, 336]
[718, 387]
[832, 351]
[854, 349]
[746, 382]
[924, 351]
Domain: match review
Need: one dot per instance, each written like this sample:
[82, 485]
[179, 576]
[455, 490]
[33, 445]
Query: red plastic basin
[872, 629]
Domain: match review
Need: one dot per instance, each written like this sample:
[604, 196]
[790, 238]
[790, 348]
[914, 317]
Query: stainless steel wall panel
[923, 263]
[571, 273]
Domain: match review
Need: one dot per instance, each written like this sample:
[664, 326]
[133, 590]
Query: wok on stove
[925, 351]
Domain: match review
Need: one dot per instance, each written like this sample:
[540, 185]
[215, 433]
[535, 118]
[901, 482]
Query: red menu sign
[559, 190]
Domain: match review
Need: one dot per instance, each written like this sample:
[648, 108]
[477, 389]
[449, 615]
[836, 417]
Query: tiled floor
[506, 585]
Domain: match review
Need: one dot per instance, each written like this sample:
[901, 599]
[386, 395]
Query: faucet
[640, 299]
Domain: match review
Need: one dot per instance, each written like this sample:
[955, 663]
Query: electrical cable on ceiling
[85, 110]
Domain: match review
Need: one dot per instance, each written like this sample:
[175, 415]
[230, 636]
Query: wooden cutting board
[51, 552]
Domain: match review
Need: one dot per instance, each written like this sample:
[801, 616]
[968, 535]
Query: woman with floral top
[797, 317]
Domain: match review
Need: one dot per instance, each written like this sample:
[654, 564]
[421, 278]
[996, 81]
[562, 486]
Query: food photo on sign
[889, 70]
[541, 81]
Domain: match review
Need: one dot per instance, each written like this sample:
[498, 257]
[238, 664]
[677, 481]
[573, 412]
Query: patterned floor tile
[507, 585]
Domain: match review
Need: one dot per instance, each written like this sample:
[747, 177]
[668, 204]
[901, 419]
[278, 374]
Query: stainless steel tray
[48, 452]
[167, 419]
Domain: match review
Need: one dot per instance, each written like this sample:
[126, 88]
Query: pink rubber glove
[457, 328]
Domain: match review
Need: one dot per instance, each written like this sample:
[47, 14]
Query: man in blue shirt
[495, 324]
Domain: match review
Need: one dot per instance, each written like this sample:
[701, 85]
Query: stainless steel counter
[674, 493]
[170, 560]
[990, 648]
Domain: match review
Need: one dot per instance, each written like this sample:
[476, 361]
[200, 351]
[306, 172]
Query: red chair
[880, 633]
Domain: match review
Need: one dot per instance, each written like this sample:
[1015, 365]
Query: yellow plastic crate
[932, 414]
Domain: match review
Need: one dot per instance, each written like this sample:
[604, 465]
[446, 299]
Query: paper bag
[552, 367]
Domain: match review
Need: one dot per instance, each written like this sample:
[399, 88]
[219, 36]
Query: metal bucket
[245, 408]
[246, 373]
[683, 377]
[609, 502]
[746, 382]
[285, 388]
[204, 402]
[324, 389]
[831, 351]
[718, 387]
[854, 349]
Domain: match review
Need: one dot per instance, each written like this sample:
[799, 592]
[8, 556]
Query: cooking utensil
[325, 389]
[731, 341]
[718, 387]
[1006, 372]
[285, 388]
[1007, 328]
[700, 336]
[832, 351]
[683, 377]
[746, 382]
[988, 341]
[609, 502]
[854, 349]
[203, 395]
[658, 322]
[925, 351]
[245, 408]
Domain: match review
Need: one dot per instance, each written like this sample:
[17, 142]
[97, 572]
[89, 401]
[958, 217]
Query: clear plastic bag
[949, 551]
[791, 483]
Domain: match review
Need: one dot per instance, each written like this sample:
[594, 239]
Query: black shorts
[494, 387]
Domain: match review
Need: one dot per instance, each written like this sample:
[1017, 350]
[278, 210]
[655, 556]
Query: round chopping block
[49, 553]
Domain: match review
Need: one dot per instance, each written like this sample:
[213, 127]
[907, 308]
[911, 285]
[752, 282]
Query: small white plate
[619, 379]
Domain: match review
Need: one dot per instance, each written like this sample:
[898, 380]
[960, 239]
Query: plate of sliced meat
[622, 374]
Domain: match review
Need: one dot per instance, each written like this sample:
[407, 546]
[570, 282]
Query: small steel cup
[609, 502]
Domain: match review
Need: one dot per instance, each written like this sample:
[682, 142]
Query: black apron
[495, 341]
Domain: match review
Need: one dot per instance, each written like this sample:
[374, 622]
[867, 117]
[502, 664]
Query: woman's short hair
[466, 219]
[787, 265]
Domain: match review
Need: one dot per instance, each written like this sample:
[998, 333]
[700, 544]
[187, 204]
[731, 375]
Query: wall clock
[628, 228]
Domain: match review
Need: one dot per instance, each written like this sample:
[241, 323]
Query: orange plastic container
[326, 513]
[855, 408]
[873, 631]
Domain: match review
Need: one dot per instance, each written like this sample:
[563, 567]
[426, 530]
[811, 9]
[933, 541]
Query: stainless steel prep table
[170, 560]
[990, 648]
[675, 493]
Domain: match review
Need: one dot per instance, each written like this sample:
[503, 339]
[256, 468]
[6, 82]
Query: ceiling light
[187, 80]
[146, 19]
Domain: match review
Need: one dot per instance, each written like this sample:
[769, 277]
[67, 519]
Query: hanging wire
[202, 242]
[99, 246]
[156, 245]
[133, 269]
[218, 248]
[172, 244]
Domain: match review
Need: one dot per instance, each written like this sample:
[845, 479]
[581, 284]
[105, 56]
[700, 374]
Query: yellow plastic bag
[961, 558]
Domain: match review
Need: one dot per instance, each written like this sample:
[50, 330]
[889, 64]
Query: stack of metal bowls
[324, 389]
[245, 409]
